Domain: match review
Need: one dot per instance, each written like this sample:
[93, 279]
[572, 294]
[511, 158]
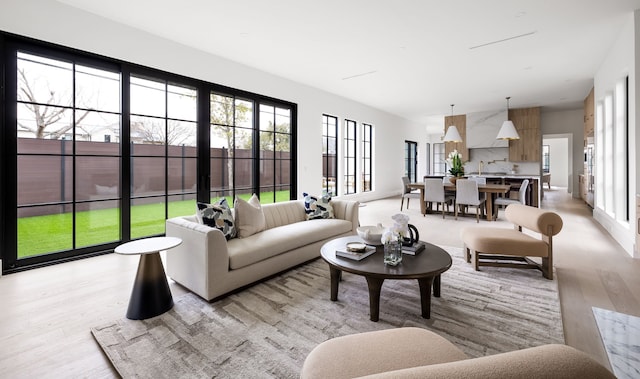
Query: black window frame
[411, 160]
[367, 158]
[350, 156]
[329, 161]
[8, 184]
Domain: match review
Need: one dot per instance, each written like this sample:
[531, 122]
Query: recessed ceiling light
[521, 14]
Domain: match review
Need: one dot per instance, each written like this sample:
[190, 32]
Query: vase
[392, 253]
[453, 179]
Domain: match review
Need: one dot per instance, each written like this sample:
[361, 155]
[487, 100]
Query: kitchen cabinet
[528, 147]
[589, 117]
[583, 187]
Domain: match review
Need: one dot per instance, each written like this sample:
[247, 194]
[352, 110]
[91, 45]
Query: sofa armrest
[199, 257]
[347, 210]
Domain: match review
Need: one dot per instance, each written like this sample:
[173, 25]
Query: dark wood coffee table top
[433, 260]
[426, 267]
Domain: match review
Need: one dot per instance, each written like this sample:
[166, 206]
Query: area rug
[266, 331]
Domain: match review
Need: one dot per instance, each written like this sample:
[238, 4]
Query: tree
[282, 140]
[153, 132]
[226, 113]
[44, 112]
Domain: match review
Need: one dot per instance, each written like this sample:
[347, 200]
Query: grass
[53, 233]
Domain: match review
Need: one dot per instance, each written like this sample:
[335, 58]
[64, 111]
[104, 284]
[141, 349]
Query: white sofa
[210, 266]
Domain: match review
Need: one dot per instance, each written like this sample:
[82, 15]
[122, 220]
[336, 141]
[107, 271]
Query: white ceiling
[411, 58]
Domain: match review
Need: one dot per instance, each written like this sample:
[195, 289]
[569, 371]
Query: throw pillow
[317, 207]
[217, 215]
[249, 217]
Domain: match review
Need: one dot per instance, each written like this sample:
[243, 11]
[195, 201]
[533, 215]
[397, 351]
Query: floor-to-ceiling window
[98, 151]
[231, 136]
[350, 158]
[275, 153]
[411, 160]
[67, 130]
[366, 168]
[545, 158]
[162, 134]
[329, 154]
[439, 162]
[612, 152]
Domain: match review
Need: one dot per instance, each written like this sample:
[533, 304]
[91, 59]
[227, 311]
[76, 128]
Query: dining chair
[481, 182]
[467, 194]
[407, 193]
[504, 201]
[434, 193]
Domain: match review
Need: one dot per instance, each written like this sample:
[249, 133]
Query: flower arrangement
[455, 162]
[399, 229]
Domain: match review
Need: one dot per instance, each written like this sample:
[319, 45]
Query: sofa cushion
[281, 239]
[284, 213]
[317, 207]
[217, 215]
[503, 241]
[248, 216]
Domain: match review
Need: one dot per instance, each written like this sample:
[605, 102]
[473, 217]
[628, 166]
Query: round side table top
[148, 245]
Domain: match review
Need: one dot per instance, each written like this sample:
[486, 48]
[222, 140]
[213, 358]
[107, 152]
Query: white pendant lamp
[452, 134]
[508, 130]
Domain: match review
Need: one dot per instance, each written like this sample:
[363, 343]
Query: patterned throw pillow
[317, 207]
[217, 215]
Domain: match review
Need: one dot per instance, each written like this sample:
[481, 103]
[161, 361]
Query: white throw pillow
[249, 217]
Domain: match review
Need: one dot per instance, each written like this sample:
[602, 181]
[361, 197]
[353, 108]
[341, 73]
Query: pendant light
[508, 130]
[452, 134]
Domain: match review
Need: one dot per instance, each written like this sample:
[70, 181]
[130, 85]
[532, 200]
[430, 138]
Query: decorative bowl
[371, 235]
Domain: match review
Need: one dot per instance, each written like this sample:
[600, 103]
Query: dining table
[492, 190]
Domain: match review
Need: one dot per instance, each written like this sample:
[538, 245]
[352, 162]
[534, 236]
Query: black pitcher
[414, 236]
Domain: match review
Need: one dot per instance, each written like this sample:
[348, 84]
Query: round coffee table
[426, 267]
[151, 295]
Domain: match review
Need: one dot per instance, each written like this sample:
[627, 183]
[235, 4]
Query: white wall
[570, 122]
[558, 160]
[51, 21]
[622, 61]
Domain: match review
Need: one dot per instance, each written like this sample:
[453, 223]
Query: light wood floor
[46, 314]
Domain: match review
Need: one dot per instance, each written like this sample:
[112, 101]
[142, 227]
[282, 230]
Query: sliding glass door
[68, 154]
[97, 152]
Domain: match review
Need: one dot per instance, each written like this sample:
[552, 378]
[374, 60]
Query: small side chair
[407, 193]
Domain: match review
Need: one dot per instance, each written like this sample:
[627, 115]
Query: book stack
[356, 255]
[413, 249]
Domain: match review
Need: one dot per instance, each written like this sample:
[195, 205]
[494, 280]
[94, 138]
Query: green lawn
[46, 234]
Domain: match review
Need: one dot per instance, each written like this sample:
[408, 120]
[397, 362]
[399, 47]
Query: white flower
[399, 229]
[387, 236]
